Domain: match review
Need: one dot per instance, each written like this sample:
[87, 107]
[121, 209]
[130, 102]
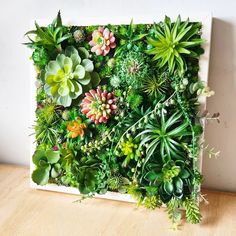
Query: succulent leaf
[66, 76]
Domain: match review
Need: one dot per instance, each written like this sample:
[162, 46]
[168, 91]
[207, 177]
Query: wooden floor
[24, 211]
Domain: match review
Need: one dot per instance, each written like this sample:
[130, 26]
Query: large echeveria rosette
[70, 75]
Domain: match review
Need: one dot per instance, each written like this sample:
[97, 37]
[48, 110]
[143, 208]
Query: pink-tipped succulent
[98, 105]
[102, 41]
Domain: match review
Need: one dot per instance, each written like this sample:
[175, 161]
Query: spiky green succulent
[69, 75]
[132, 68]
[173, 42]
[155, 86]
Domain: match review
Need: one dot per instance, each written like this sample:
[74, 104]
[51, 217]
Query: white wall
[14, 71]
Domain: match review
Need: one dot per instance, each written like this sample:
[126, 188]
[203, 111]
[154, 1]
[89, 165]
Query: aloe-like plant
[165, 135]
[47, 165]
[49, 37]
[173, 42]
[69, 75]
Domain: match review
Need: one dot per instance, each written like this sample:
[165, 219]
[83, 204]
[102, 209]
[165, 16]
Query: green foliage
[130, 38]
[174, 212]
[167, 134]
[45, 162]
[132, 68]
[169, 178]
[49, 37]
[152, 202]
[173, 43]
[118, 182]
[67, 77]
[149, 146]
[193, 214]
[40, 57]
[48, 121]
[155, 86]
[90, 175]
[129, 149]
[135, 191]
[134, 100]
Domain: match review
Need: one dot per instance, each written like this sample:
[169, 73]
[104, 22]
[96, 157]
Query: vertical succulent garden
[117, 110]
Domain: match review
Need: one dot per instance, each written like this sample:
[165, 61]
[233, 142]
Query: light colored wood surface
[25, 211]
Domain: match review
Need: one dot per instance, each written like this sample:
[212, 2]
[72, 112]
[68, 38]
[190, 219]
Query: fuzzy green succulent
[132, 68]
[70, 75]
[173, 42]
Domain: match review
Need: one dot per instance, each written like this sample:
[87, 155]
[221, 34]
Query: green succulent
[40, 57]
[49, 37]
[70, 75]
[48, 121]
[173, 43]
[152, 202]
[46, 162]
[156, 86]
[165, 135]
[130, 37]
[129, 149]
[193, 214]
[169, 178]
[134, 100]
[132, 68]
[90, 176]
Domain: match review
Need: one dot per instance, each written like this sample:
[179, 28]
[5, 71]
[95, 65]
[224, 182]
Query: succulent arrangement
[117, 110]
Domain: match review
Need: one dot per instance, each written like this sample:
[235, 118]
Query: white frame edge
[205, 18]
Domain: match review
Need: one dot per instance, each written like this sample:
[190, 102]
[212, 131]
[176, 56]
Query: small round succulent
[102, 41]
[132, 68]
[98, 105]
[66, 76]
[79, 36]
[76, 128]
[115, 81]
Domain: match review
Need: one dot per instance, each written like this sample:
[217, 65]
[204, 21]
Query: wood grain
[25, 211]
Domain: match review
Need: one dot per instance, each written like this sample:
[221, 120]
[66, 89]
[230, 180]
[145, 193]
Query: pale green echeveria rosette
[70, 75]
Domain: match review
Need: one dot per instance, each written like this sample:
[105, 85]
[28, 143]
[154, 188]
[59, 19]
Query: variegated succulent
[69, 75]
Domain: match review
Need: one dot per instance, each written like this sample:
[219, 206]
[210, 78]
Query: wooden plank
[26, 212]
[205, 18]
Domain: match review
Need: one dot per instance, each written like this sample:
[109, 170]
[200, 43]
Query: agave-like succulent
[102, 41]
[172, 42]
[67, 76]
[98, 105]
[155, 86]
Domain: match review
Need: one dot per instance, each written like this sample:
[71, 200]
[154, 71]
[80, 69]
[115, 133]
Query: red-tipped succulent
[98, 105]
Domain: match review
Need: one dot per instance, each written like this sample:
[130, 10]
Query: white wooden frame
[206, 20]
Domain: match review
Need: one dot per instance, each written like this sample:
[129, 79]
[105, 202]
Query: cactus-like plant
[67, 76]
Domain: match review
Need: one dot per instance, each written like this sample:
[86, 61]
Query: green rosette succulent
[70, 75]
